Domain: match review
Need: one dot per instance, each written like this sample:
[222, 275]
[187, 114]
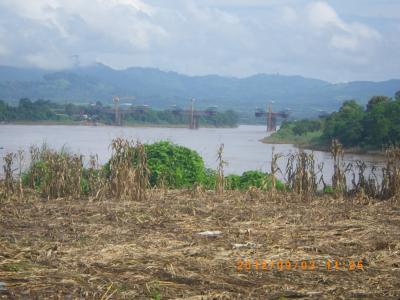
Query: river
[243, 149]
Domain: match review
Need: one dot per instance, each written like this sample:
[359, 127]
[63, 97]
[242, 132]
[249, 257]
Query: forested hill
[162, 89]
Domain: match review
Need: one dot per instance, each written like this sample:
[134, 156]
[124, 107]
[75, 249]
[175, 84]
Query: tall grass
[274, 168]
[8, 182]
[301, 175]
[220, 178]
[58, 174]
[129, 175]
[391, 174]
[339, 177]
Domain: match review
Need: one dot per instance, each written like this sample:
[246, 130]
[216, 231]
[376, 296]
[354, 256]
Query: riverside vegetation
[47, 111]
[129, 229]
[374, 128]
[163, 164]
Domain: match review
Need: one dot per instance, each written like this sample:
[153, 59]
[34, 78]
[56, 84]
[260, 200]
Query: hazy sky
[338, 40]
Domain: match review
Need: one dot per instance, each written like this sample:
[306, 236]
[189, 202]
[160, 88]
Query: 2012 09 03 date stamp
[247, 265]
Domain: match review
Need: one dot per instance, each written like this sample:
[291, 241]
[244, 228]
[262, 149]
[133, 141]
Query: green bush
[252, 179]
[248, 179]
[302, 127]
[210, 177]
[328, 190]
[85, 186]
[34, 177]
[173, 165]
[233, 182]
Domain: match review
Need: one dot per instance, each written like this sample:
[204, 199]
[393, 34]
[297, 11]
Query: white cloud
[350, 36]
[320, 14]
[235, 37]
[345, 42]
[137, 4]
[364, 31]
[72, 27]
[48, 60]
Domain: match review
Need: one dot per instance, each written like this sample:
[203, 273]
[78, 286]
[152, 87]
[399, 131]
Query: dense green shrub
[245, 181]
[328, 190]
[258, 179]
[36, 174]
[173, 165]
[85, 186]
[252, 179]
[209, 179]
[233, 182]
[304, 126]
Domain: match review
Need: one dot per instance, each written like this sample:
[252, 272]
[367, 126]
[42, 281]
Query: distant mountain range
[162, 89]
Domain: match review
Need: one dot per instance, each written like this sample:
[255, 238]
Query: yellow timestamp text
[247, 265]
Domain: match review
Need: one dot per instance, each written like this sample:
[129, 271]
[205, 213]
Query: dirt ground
[76, 249]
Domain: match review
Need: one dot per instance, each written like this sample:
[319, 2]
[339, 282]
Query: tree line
[372, 127]
[377, 125]
[45, 110]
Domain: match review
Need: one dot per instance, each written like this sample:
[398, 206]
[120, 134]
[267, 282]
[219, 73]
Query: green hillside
[304, 96]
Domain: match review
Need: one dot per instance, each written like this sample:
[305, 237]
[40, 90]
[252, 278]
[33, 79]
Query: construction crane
[193, 123]
[194, 114]
[271, 117]
[118, 112]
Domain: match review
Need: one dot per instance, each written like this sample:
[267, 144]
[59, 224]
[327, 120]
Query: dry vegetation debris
[71, 248]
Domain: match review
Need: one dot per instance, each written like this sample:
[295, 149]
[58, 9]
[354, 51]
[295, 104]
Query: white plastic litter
[3, 286]
[246, 245]
[210, 233]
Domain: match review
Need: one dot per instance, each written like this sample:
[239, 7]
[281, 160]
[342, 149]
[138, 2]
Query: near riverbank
[312, 141]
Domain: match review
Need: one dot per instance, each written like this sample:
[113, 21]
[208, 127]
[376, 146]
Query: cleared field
[73, 248]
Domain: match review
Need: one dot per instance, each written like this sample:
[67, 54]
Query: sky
[338, 40]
